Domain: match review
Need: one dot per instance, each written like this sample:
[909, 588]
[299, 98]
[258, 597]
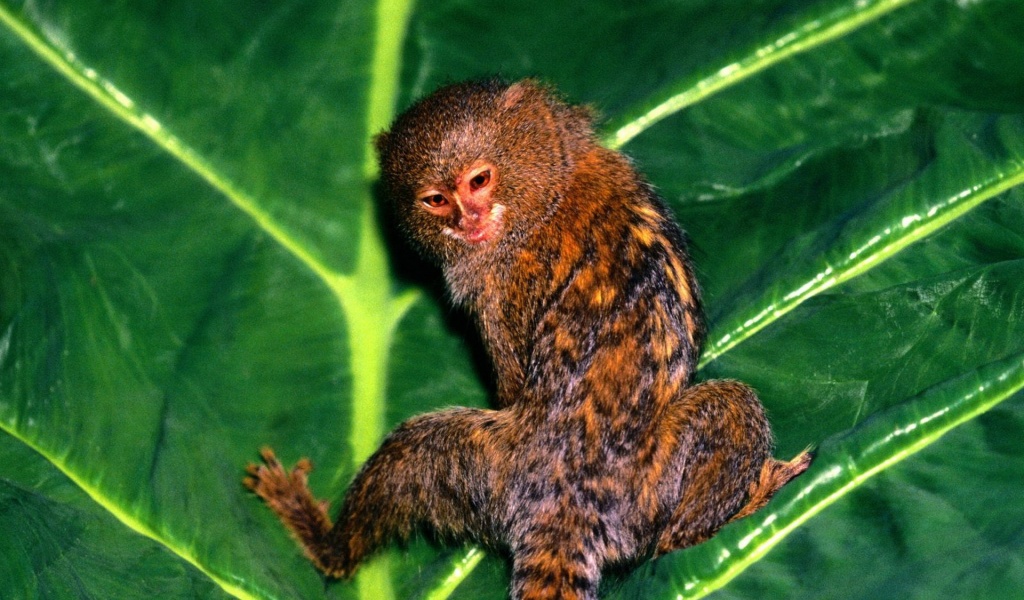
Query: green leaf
[191, 268]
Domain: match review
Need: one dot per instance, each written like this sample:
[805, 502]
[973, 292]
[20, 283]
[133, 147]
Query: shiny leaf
[191, 267]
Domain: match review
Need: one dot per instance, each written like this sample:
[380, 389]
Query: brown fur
[602, 450]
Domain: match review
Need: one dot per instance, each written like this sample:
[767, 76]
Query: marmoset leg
[725, 463]
[432, 470]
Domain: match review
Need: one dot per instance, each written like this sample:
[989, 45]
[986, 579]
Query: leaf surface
[191, 267]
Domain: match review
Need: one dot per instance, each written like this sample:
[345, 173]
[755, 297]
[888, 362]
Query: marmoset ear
[515, 92]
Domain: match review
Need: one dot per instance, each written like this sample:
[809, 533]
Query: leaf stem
[365, 294]
[386, 69]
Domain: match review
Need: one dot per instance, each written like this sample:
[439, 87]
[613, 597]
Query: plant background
[191, 267]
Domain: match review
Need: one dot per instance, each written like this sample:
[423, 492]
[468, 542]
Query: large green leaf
[191, 267]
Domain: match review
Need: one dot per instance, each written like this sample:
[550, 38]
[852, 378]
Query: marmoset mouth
[479, 231]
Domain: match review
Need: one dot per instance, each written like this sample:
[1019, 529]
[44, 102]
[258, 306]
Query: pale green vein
[812, 33]
[371, 316]
[877, 247]
[462, 567]
[365, 295]
[390, 27]
[921, 421]
[365, 292]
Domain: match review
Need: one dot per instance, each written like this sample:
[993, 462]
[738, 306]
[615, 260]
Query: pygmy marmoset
[601, 450]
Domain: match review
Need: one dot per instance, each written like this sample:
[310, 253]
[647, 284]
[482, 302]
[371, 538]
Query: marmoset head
[478, 164]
